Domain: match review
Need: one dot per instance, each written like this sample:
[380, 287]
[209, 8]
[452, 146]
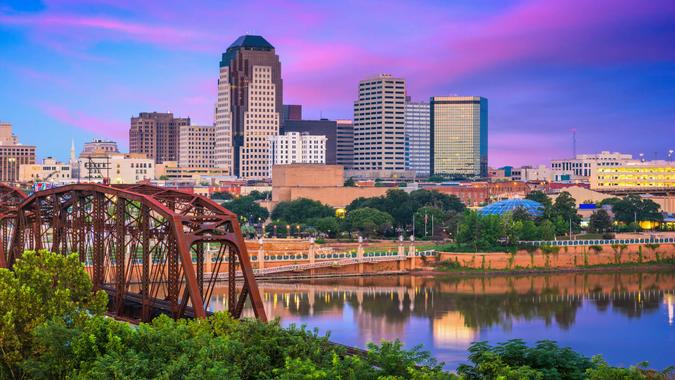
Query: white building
[379, 124]
[49, 170]
[579, 169]
[540, 173]
[118, 167]
[297, 148]
[196, 146]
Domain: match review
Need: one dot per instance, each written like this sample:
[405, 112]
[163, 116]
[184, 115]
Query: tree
[300, 210]
[520, 214]
[350, 182]
[600, 221]
[546, 230]
[429, 221]
[329, 225]
[539, 196]
[260, 195]
[221, 195]
[635, 208]
[247, 209]
[480, 231]
[41, 287]
[369, 221]
[565, 207]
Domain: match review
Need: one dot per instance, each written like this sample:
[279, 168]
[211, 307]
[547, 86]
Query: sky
[77, 70]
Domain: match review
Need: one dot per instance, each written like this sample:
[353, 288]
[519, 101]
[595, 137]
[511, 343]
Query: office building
[291, 112]
[579, 168]
[323, 127]
[459, 128]
[155, 134]
[417, 140]
[13, 154]
[196, 146]
[100, 166]
[379, 124]
[249, 107]
[49, 170]
[297, 148]
[634, 176]
[345, 144]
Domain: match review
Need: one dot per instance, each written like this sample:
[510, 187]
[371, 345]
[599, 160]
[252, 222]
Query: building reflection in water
[457, 310]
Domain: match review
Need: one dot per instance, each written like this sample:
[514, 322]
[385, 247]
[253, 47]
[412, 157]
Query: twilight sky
[76, 69]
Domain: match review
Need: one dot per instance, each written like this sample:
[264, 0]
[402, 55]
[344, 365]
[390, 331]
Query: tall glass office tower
[459, 135]
[417, 128]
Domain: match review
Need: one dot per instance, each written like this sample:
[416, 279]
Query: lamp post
[288, 231]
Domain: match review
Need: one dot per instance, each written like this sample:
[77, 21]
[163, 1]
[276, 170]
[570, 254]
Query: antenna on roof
[574, 142]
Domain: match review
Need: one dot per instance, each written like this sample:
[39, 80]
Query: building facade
[344, 154]
[13, 154]
[155, 134]
[580, 168]
[417, 140]
[115, 167]
[49, 170]
[323, 127]
[379, 124]
[249, 107]
[100, 145]
[196, 146]
[459, 129]
[297, 148]
[291, 112]
[634, 176]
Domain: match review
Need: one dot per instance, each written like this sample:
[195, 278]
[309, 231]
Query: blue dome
[502, 207]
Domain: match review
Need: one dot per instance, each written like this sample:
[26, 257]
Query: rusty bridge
[143, 245]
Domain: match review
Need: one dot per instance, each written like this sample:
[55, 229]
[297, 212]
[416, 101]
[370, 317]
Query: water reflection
[447, 314]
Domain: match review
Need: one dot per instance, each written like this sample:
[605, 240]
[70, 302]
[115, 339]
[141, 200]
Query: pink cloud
[92, 124]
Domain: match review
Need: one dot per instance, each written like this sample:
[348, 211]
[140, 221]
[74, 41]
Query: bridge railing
[573, 243]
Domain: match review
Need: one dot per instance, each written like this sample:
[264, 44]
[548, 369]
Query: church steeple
[72, 151]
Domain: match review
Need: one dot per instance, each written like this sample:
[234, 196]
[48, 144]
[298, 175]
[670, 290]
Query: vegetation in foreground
[52, 327]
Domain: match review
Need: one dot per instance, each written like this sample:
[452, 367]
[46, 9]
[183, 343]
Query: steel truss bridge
[143, 245]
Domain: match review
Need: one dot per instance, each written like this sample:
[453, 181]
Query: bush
[608, 235]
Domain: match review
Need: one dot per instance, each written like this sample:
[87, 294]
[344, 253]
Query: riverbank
[626, 267]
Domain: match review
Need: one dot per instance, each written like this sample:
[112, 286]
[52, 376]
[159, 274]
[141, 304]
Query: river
[627, 317]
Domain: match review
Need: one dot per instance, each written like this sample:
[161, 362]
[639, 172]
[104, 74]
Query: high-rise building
[13, 154]
[417, 140]
[196, 145]
[291, 112]
[345, 144]
[249, 107]
[297, 148]
[379, 124]
[155, 134]
[323, 127]
[459, 128]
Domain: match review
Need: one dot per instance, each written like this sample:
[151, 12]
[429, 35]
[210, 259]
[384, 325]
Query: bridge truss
[143, 245]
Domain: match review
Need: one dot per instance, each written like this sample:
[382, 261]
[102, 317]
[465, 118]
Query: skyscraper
[345, 144]
[417, 140]
[197, 143]
[379, 124]
[155, 134]
[249, 107]
[459, 135]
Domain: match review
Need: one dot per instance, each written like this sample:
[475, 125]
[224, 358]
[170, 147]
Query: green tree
[260, 195]
[482, 232]
[600, 221]
[350, 182]
[221, 195]
[247, 209]
[329, 225]
[633, 207]
[565, 207]
[430, 219]
[369, 221]
[41, 286]
[300, 210]
[546, 230]
[520, 214]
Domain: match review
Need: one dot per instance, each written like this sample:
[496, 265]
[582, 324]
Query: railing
[573, 243]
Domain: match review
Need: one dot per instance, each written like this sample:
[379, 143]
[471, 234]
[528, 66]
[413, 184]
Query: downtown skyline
[75, 69]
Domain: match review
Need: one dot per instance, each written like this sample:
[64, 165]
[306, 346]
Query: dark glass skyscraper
[249, 107]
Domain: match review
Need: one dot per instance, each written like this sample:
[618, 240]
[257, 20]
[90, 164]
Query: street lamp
[288, 230]
[298, 228]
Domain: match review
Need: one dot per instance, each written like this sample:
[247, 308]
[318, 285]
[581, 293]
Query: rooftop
[250, 41]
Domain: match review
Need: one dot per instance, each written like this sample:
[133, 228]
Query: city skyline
[607, 69]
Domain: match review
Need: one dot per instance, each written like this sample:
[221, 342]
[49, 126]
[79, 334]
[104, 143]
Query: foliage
[260, 195]
[541, 197]
[429, 221]
[401, 205]
[515, 360]
[600, 221]
[329, 225]
[565, 208]
[481, 231]
[221, 195]
[247, 208]
[633, 207]
[350, 182]
[42, 286]
[300, 210]
[368, 221]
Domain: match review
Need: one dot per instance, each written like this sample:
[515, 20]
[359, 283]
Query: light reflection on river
[626, 317]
